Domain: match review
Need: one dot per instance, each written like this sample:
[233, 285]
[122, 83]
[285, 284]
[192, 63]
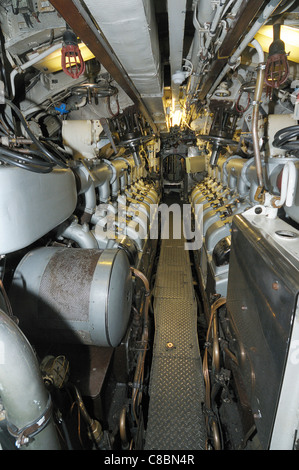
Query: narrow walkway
[175, 420]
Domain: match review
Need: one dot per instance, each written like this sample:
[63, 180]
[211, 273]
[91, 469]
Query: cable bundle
[283, 138]
[39, 161]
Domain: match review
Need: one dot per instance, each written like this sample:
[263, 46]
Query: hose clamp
[24, 434]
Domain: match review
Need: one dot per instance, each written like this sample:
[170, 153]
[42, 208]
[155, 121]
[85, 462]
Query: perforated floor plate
[175, 420]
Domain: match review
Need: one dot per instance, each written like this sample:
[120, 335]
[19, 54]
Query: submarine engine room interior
[149, 225]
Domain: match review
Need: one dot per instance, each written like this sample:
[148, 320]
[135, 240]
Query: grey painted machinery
[90, 146]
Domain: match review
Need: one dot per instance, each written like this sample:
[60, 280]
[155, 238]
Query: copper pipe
[216, 348]
[95, 428]
[255, 117]
[123, 428]
[139, 372]
[216, 436]
[215, 431]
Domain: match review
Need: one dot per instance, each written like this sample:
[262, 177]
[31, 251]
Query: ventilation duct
[131, 26]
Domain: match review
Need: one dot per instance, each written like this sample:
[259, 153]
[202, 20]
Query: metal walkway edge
[176, 389]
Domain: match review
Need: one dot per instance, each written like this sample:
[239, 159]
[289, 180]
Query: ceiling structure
[110, 111]
[159, 52]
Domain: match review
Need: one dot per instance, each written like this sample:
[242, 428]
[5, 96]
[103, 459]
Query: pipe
[262, 19]
[97, 176]
[23, 67]
[288, 186]
[176, 21]
[95, 430]
[119, 167]
[139, 372]
[259, 51]
[255, 113]
[220, 10]
[23, 393]
[90, 202]
[123, 429]
[78, 233]
[215, 432]
[104, 192]
[86, 187]
[216, 348]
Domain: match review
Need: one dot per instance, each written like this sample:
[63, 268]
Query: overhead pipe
[25, 398]
[226, 57]
[204, 14]
[23, 67]
[262, 19]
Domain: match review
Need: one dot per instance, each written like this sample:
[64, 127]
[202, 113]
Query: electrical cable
[283, 136]
[37, 165]
[39, 144]
[16, 161]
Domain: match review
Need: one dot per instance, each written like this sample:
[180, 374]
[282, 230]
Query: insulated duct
[176, 20]
[131, 26]
[83, 25]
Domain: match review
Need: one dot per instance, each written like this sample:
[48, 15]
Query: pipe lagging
[23, 393]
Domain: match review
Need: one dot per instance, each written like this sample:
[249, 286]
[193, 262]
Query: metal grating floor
[175, 420]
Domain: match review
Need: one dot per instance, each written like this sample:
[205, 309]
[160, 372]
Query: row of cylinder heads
[228, 189]
[117, 202]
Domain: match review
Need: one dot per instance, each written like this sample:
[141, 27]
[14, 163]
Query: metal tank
[73, 295]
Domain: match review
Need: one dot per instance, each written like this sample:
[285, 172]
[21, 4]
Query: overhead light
[288, 34]
[176, 117]
[52, 63]
[180, 75]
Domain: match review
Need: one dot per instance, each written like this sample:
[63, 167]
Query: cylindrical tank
[73, 295]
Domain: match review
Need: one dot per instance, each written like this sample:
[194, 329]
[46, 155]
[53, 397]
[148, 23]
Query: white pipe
[78, 233]
[205, 15]
[288, 185]
[214, 25]
[292, 183]
[23, 67]
[269, 9]
[259, 50]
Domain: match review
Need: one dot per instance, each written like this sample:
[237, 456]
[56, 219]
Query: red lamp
[71, 58]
